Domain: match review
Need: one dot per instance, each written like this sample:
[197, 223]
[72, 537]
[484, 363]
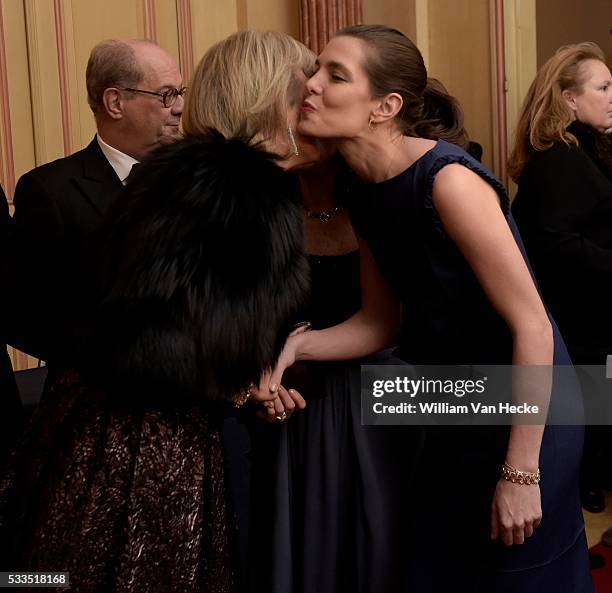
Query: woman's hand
[287, 358]
[283, 406]
[278, 405]
[516, 511]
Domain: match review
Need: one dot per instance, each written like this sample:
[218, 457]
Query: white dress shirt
[119, 161]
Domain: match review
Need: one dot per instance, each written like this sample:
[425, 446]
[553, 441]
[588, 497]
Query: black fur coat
[204, 273]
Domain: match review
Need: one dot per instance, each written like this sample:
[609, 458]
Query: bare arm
[371, 329]
[477, 226]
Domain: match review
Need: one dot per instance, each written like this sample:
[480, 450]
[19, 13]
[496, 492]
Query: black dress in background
[449, 320]
[329, 494]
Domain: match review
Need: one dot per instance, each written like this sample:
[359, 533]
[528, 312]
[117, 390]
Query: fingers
[280, 408]
[286, 401]
[300, 402]
[275, 380]
[516, 512]
[512, 533]
[494, 523]
[276, 375]
[518, 534]
[536, 522]
[507, 533]
[261, 393]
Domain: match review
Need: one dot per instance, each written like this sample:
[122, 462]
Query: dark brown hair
[396, 66]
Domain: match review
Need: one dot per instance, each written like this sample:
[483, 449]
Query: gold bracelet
[518, 477]
[243, 397]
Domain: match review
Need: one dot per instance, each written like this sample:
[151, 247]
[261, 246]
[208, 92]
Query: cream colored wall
[454, 37]
[400, 14]
[521, 62]
[460, 56]
[44, 47]
[570, 21]
[277, 15]
[47, 43]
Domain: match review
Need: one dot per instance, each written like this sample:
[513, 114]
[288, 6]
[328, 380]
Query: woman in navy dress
[436, 237]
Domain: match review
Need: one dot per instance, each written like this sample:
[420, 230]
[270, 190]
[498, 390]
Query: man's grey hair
[112, 63]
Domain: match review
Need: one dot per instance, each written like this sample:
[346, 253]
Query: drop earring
[371, 124]
[292, 142]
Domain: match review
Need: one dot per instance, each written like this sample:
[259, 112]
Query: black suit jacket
[59, 210]
[10, 404]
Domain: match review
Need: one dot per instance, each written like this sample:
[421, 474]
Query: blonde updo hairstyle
[244, 85]
[545, 115]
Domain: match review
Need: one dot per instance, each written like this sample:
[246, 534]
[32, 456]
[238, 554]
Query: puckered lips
[308, 107]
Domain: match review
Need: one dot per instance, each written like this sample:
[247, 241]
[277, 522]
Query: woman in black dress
[435, 235]
[338, 490]
[562, 162]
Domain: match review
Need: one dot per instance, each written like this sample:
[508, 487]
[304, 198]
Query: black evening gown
[449, 320]
[330, 497]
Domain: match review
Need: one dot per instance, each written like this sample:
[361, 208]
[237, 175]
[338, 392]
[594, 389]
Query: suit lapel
[99, 182]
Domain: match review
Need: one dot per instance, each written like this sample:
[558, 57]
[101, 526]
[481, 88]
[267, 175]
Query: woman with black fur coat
[120, 479]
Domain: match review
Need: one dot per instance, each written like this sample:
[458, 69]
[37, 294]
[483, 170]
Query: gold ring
[282, 417]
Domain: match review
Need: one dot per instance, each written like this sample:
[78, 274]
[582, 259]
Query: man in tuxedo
[10, 404]
[135, 91]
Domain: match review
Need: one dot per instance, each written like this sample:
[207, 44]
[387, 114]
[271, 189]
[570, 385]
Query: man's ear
[388, 107]
[569, 97]
[112, 103]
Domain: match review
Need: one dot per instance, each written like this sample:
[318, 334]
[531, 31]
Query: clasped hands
[278, 402]
[277, 407]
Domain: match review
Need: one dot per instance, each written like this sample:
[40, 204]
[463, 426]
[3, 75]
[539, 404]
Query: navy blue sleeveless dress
[449, 320]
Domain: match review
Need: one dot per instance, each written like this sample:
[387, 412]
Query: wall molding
[60, 35]
[320, 20]
[242, 18]
[150, 20]
[421, 13]
[185, 35]
[6, 144]
[498, 76]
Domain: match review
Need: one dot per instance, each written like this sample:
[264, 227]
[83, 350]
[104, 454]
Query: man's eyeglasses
[168, 97]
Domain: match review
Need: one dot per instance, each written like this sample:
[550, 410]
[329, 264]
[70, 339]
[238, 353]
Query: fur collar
[205, 272]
